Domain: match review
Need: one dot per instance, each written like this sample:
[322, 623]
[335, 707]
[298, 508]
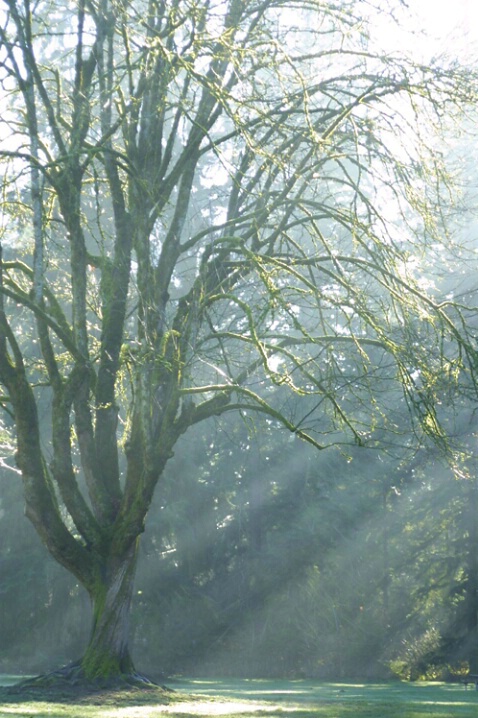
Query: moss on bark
[105, 665]
[107, 655]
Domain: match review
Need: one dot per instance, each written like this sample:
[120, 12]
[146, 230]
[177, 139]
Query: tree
[200, 207]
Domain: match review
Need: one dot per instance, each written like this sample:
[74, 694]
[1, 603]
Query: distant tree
[208, 205]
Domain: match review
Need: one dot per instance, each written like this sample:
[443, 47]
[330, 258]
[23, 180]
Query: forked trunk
[107, 655]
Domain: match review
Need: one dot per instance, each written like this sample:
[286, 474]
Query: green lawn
[261, 699]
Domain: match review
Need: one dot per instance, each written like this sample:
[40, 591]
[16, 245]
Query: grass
[258, 699]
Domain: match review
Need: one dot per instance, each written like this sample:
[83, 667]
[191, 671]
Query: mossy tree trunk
[107, 654]
[470, 598]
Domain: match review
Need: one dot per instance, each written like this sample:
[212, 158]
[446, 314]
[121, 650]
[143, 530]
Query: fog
[313, 350]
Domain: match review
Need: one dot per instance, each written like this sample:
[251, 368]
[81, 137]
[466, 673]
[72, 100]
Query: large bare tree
[208, 204]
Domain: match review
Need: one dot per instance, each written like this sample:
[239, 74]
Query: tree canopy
[208, 207]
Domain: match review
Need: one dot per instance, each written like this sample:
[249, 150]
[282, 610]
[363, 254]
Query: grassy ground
[258, 699]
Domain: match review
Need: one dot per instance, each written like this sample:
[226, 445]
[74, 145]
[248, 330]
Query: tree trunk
[107, 655]
[471, 597]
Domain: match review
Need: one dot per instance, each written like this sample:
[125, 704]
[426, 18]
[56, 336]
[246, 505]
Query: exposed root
[70, 682]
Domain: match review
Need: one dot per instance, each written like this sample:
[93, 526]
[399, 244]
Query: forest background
[267, 559]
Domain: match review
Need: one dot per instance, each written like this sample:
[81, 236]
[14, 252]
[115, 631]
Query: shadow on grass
[251, 699]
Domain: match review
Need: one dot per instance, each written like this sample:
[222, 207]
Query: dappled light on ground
[313, 692]
[200, 708]
[258, 699]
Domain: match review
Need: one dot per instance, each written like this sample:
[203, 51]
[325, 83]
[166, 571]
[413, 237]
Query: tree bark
[107, 655]
[471, 595]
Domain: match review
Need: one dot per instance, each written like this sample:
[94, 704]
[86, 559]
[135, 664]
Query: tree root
[70, 682]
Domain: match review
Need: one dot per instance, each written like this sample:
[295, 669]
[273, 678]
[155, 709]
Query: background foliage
[264, 558]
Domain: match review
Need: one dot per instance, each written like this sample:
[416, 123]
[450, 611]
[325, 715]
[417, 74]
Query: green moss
[105, 663]
[96, 664]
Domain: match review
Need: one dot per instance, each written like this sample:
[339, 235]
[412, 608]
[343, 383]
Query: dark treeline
[266, 558]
